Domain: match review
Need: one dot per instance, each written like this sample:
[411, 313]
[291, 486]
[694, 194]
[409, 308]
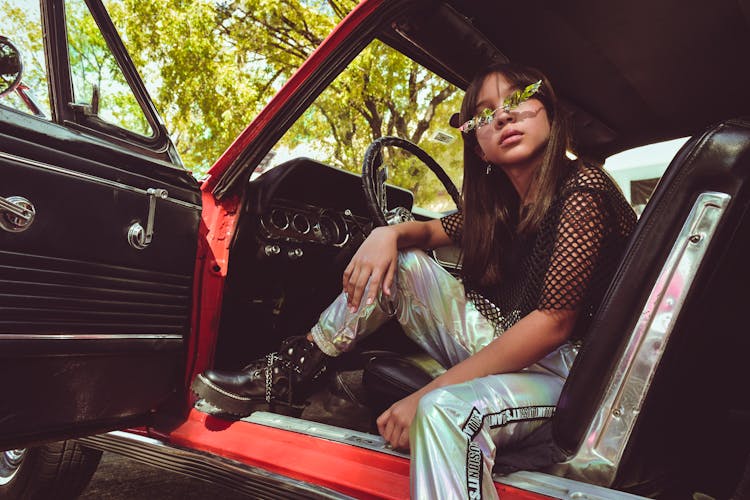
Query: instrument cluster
[293, 222]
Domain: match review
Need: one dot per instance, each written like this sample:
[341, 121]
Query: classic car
[122, 277]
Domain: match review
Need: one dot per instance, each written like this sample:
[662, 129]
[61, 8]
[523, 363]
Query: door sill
[242, 478]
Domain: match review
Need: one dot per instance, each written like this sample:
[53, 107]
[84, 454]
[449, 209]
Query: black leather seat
[389, 377]
[708, 333]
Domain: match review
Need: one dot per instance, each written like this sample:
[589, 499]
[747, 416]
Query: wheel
[57, 470]
[373, 184]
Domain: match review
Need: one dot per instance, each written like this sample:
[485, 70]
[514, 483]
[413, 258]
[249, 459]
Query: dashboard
[305, 202]
[300, 225]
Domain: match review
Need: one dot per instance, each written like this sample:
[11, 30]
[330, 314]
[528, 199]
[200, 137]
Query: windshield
[381, 93]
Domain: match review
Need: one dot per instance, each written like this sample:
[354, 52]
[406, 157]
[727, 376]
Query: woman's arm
[532, 338]
[525, 343]
[377, 257]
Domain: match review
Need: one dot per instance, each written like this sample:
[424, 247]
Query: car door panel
[92, 329]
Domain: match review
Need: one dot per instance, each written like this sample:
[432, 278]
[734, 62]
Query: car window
[381, 93]
[22, 25]
[637, 171]
[100, 89]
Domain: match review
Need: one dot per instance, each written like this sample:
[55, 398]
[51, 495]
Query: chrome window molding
[598, 458]
[92, 178]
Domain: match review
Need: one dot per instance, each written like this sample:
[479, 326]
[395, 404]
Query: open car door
[98, 231]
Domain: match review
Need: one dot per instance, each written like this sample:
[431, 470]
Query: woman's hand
[394, 423]
[375, 261]
[377, 258]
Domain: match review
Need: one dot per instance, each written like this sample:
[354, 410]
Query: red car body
[167, 430]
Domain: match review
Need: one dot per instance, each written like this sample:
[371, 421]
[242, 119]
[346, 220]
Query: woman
[540, 237]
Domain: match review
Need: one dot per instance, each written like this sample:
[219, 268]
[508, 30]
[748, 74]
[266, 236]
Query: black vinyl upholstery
[389, 377]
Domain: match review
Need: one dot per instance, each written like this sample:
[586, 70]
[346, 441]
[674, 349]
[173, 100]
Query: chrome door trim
[562, 488]
[252, 481]
[89, 336]
[92, 178]
[316, 429]
[598, 458]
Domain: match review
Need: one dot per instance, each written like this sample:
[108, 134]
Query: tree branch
[424, 123]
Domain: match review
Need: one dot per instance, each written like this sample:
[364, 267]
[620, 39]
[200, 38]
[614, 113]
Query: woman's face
[515, 138]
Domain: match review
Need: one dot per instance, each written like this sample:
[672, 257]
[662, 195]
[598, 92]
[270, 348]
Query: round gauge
[333, 230]
[329, 232]
[301, 223]
[279, 219]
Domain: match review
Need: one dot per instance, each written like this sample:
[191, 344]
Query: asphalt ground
[119, 478]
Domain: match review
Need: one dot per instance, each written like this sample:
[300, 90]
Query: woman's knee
[424, 278]
[429, 402]
[411, 259]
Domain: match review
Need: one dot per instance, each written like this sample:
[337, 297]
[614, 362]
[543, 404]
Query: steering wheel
[11, 66]
[373, 180]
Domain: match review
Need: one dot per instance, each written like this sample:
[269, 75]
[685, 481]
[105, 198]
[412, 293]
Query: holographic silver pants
[457, 428]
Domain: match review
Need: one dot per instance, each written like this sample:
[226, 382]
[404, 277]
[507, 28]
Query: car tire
[57, 470]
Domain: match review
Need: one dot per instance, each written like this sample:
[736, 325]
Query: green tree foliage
[93, 66]
[21, 24]
[199, 80]
[209, 77]
[384, 93]
[217, 63]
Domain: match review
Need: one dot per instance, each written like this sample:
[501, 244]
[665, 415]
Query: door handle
[16, 213]
[138, 237]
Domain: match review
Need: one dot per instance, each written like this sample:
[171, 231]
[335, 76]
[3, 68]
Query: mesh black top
[568, 263]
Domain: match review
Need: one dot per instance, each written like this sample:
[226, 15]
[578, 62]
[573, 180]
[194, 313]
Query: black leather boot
[279, 382]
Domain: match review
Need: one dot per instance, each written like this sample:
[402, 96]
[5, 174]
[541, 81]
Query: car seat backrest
[615, 417]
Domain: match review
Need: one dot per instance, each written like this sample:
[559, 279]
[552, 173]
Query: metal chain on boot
[271, 360]
[301, 363]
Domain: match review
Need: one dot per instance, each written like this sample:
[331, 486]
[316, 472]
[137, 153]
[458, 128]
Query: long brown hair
[490, 202]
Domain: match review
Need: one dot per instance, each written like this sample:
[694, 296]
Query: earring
[489, 169]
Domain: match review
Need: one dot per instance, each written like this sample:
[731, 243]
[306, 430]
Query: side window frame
[61, 84]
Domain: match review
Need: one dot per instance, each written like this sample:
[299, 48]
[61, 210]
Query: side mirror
[11, 67]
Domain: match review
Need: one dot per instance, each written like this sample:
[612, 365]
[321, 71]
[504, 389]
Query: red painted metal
[215, 236]
[354, 471]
